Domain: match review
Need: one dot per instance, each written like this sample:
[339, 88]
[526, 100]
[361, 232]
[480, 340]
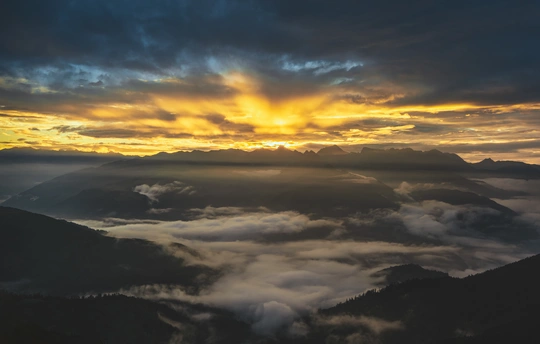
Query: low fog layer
[279, 266]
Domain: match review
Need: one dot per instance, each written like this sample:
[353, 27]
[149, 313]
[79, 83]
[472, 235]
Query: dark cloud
[482, 52]
[166, 116]
[215, 118]
[13, 116]
[232, 72]
[226, 125]
[96, 84]
[116, 133]
[66, 128]
[150, 132]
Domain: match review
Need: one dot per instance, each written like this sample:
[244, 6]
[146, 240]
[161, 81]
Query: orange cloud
[173, 114]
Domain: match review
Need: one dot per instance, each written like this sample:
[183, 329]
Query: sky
[140, 77]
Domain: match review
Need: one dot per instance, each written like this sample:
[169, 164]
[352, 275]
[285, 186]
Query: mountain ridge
[333, 154]
[57, 257]
[498, 305]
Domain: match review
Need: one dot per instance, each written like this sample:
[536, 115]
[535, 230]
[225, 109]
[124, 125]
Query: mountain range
[169, 186]
[367, 158]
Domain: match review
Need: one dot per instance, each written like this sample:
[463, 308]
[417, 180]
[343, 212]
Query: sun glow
[239, 109]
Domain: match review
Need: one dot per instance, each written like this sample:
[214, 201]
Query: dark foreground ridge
[41, 254]
[497, 306]
[112, 319]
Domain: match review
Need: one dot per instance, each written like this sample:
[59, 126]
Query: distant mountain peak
[370, 150]
[332, 150]
[434, 151]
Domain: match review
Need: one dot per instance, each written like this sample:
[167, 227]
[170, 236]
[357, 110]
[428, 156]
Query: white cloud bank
[153, 192]
[272, 284]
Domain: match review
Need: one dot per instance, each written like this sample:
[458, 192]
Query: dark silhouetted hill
[332, 150]
[491, 307]
[112, 319]
[42, 254]
[508, 168]
[109, 190]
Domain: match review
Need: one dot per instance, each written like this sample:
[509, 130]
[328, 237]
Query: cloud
[259, 173]
[374, 324]
[98, 83]
[356, 178]
[273, 284]
[159, 210]
[432, 219]
[268, 284]
[271, 316]
[214, 212]
[321, 66]
[404, 189]
[220, 224]
[300, 75]
[528, 209]
[263, 281]
[153, 192]
[270, 291]
[436, 219]
[528, 186]
[295, 41]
